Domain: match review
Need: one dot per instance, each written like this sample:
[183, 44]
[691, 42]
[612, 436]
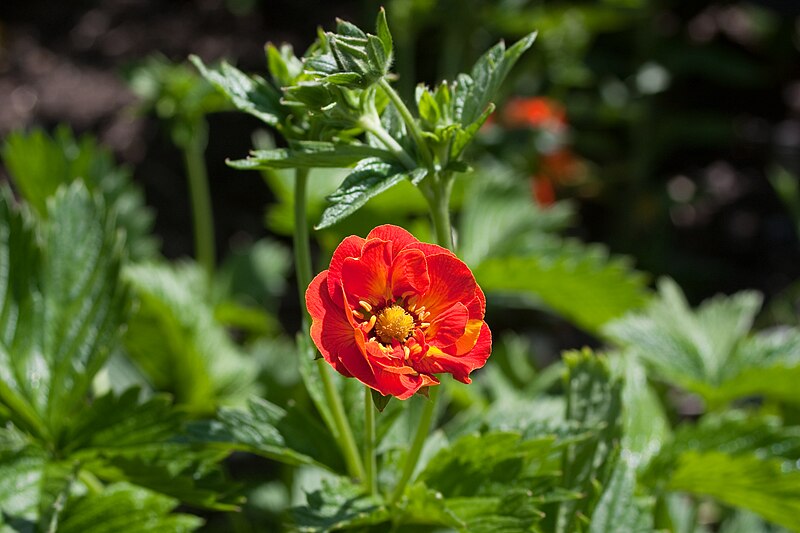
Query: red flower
[392, 311]
[537, 112]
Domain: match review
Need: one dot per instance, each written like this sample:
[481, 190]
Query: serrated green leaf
[290, 436]
[39, 163]
[20, 316]
[369, 178]
[421, 505]
[618, 510]
[120, 422]
[339, 504]
[511, 245]
[30, 484]
[311, 154]
[594, 401]
[175, 339]
[646, 426]
[516, 511]
[250, 94]
[84, 301]
[736, 458]
[605, 287]
[473, 93]
[707, 350]
[122, 508]
[766, 487]
[182, 470]
[284, 67]
[477, 465]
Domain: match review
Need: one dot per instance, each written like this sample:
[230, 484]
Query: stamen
[411, 308]
[425, 325]
[358, 315]
[370, 324]
[393, 324]
[365, 305]
[406, 351]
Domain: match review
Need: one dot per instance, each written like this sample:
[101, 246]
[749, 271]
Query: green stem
[194, 157]
[416, 446]
[375, 128]
[437, 192]
[411, 123]
[302, 247]
[302, 250]
[438, 196]
[370, 462]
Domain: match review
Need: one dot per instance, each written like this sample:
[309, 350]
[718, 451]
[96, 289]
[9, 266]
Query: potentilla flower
[392, 312]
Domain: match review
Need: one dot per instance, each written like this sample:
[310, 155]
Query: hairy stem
[370, 462]
[410, 122]
[202, 213]
[375, 128]
[437, 193]
[302, 250]
[416, 446]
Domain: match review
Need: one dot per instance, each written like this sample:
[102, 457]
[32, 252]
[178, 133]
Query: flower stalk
[438, 196]
[302, 251]
[202, 213]
[411, 123]
[370, 461]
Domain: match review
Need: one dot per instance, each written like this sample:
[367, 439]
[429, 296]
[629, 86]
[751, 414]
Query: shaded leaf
[766, 487]
[311, 154]
[122, 508]
[39, 163]
[289, 436]
[250, 94]
[175, 339]
[618, 510]
[594, 401]
[369, 178]
[474, 92]
[339, 504]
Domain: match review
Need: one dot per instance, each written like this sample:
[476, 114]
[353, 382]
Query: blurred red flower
[392, 311]
[536, 112]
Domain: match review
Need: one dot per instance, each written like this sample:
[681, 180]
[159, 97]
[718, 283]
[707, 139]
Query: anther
[370, 324]
[365, 305]
[425, 325]
[358, 315]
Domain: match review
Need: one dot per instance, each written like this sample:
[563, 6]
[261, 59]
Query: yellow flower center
[393, 323]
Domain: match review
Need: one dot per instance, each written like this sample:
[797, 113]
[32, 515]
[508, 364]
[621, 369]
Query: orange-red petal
[448, 327]
[460, 366]
[451, 282]
[350, 247]
[331, 332]
[399, 237]
[367, 277]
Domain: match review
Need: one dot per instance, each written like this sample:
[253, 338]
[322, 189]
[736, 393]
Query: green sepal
[379, 400]
[382, 30]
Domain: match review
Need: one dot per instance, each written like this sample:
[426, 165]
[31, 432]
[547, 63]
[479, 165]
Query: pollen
[393, 323]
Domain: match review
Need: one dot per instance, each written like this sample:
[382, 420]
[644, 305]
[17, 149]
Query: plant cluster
[131, 386]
